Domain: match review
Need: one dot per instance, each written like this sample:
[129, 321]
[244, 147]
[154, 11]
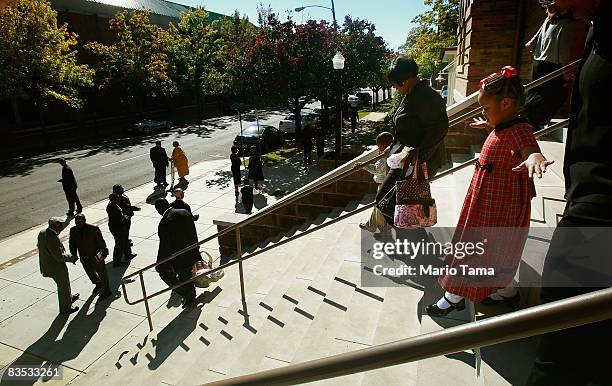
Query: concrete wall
[320, 201]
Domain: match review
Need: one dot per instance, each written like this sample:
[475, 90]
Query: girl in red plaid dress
[498, 203]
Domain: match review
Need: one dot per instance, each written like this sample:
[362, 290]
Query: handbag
[414, 206]
[200, 268]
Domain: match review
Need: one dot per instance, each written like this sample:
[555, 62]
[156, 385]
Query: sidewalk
[30, 330]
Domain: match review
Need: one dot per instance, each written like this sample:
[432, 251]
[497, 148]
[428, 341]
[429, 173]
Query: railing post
[239, 257]
[146, 301]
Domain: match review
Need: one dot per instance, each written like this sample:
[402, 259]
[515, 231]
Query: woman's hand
[536, 162]
[480, 123]
[404, 154]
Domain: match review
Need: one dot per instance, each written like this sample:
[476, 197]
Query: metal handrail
[567, 313]
[567, 68]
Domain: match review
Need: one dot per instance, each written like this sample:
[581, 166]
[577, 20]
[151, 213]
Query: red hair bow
[506, 71]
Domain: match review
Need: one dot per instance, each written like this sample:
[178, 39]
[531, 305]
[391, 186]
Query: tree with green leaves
[137, 63]
[37, 58]
[436, 28]
[194, 47]
[237, 34]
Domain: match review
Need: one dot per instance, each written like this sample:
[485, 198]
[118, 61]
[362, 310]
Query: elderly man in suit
[53, 258]
[127, 208]
[87, 241]
[176, 231]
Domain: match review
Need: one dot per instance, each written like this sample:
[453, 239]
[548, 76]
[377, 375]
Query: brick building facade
[493, 34]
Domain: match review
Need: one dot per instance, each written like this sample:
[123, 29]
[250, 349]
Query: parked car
[147, 126]
[265, 138]
[309, 119]
[365, 97]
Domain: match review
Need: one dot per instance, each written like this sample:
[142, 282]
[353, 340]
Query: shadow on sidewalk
[49, 350]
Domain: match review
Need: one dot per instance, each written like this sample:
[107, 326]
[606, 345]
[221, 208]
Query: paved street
[31, 194]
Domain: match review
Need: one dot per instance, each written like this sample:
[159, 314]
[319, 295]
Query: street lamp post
[333, 9]
[338, 63]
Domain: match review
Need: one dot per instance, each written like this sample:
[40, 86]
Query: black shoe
[96, 289]
[120, 263]
[70, 214]
[70, 311]
[434, 310]
[512, 301]
[80, 210]
[105, 294]
[131, 256]
[75, 297]
[187, 303]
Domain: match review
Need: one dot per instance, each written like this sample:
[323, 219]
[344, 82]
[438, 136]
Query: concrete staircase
[305, 301]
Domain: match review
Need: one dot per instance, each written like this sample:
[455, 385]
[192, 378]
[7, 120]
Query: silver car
[287, 125]
[147, 126]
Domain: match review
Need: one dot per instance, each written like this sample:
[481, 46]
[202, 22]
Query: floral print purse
[414, 206]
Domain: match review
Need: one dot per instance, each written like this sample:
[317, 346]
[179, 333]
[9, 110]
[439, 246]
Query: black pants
[73, 199]
[307, 155]
[544, 101]
[187, 291]
[96, 271]
[122, 245]
[580, 355]
[160, 175]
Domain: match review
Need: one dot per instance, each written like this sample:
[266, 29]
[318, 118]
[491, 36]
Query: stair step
[398, 320]
[285, 291]
[458, 369]
[233, 332]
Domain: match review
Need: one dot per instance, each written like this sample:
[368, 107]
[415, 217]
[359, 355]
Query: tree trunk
[16, 113]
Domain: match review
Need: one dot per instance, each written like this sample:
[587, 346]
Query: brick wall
[321, 201]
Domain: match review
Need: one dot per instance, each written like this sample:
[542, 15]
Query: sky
[392, 18]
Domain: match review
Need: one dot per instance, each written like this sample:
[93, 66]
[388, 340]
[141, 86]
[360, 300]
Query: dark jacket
[256, 168]
[235, 162]
[126, 206]
[87, 241]
[176, 231]
[68, 180]
[421, 122]
[180, 204]
[117, 221]
[159, 157]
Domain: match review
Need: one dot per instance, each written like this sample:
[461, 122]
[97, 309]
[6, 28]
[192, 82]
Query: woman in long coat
[180, 161]
[256, 169]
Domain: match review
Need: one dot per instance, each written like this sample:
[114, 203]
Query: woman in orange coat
[180, 161]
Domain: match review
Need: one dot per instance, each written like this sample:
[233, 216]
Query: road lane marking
[127, 159]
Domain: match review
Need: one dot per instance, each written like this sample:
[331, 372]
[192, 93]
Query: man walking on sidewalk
[118, 226]
[87, 241]
[52, 259]
[159, 158]
[69, 185]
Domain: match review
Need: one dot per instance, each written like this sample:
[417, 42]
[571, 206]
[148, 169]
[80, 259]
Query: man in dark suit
[127, 208]
[159, 158]
[87, 241]
[52, 259]
[118, 226]
[178, 203]
[176, 231]
[69, 185]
